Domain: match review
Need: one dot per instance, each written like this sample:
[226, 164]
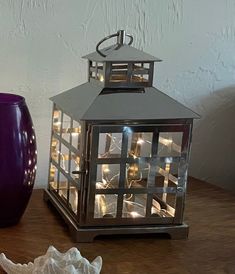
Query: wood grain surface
[210, 212]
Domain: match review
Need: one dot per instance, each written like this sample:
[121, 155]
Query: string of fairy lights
[134, 206]
[107, 182]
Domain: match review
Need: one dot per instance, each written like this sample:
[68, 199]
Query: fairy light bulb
[105, 169]
[140, 141]
[101, 78]
[134, 214]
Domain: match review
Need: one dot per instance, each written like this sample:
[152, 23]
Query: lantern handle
[121, 35]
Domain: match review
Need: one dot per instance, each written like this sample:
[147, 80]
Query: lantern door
[137, 174]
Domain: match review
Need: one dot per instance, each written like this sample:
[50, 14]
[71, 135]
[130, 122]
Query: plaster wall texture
[42, 42]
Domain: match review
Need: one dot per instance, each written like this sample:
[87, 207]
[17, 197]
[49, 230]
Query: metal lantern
[119, 149]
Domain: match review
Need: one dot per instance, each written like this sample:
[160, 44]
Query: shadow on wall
[213, 149]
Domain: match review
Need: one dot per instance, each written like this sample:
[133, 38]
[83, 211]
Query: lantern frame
[105, 108]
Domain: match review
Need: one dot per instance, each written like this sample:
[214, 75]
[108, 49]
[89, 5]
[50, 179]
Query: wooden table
[210, 212]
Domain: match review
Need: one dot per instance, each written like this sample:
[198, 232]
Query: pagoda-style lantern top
[120, 87]
[121, 65]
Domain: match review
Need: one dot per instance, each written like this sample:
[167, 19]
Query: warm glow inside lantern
[119, 149]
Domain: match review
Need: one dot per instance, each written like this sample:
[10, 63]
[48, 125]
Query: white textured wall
[42, 42]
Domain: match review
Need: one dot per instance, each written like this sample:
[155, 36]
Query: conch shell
[54, 262]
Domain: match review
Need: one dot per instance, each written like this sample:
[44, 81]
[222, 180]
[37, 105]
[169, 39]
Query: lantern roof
[91, 102]
[124, 53]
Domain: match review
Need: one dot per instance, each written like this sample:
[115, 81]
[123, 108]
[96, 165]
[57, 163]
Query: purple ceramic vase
[18, 157]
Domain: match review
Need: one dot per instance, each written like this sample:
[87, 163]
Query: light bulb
[101, 78]
[105, 169]
[135, 214]
[140, 141]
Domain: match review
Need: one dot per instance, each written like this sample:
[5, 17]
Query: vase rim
[11, 99]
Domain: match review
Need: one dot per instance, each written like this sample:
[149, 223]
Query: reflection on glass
[66, 128]
[55, 149]
[73, 198]
[170, 144]
[163, 205]
[105, 206]
[139, 78]
[56, 121]
[63, 186]
[140, 144]
[107, 176]
[134, 205]
[110, 145]
[137, 175]
[75, 132]
[53, 175]
[75, 161]
[167, 175]
[64, 158]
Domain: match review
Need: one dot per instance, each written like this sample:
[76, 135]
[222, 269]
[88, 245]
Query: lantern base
[86, 235]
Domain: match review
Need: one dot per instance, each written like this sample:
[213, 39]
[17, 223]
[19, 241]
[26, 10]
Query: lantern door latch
[79, 172]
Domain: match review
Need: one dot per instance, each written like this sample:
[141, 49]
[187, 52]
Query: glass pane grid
[65, 158]
[110, 145]
[107, 176]
[56, 120]
[139, 148]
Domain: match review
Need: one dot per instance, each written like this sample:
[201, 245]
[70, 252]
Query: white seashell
[54, 262]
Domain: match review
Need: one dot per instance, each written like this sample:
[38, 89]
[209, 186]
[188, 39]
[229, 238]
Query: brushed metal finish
[121, 36]
[83, 235]
[86, 102]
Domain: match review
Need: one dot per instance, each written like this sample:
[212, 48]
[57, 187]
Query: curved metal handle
[131, 39]
[120, 40]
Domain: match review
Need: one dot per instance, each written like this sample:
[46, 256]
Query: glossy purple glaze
[18, 157]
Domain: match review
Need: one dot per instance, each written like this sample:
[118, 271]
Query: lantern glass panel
[55, 149]
[166, 203]
[107, 176]
[134, 205]
[140, 144]
[64, 158]
[56, 120]
[53, 176]
[75, 161]
[66, 128]
[105, 206]
[138, 78]
[170, 144]
[63, 186]
[137, 175]
[75, 132]
[73, 198]
[140, 72]
[110, 145]
[119, 72]
[146, 65]
[167, 174]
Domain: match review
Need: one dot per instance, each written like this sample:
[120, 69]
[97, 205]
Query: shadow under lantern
[119, 149]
